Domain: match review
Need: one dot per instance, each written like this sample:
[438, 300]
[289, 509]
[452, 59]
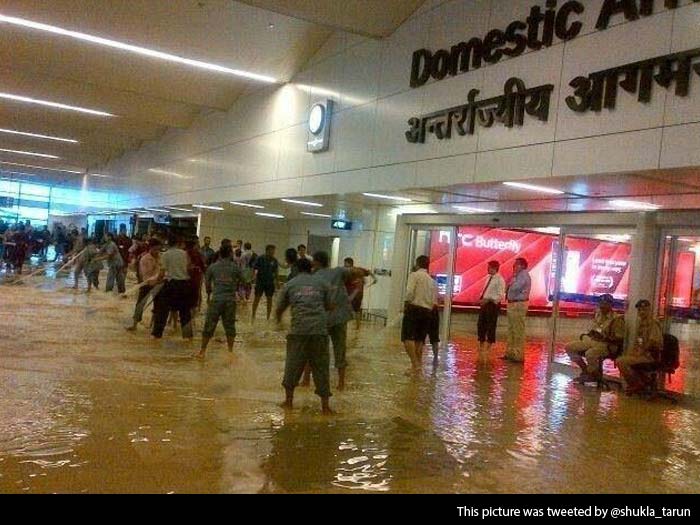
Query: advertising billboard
[590, 266]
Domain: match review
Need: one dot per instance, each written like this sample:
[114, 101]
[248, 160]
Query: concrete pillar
[645, 246]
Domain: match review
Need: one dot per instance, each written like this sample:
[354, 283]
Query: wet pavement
[87, 407]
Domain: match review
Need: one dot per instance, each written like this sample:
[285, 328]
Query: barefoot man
[223, 279]
[307, 341]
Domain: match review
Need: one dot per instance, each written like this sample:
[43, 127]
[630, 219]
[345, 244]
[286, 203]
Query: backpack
[670, 354]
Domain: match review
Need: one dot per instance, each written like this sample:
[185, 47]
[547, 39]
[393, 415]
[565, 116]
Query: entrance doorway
[437, 243]
[678, 304]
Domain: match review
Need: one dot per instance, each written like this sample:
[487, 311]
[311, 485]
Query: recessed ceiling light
[387, 197]
[270, 215]
[36, 135]
[532, 187]
[39, 167]
[270, 26]
[320, 215]
[248, 205]
[206, 207]
[180, 209]
[29, 153]
[633, 205]
[157, 210]
[101, 176]
[303, 203]
[134, 49]
[57, 105]
[470, 209]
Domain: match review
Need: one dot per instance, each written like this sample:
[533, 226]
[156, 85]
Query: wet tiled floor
[87, 407]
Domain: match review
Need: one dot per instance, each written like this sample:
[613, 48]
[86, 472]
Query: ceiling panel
[149, 95]
[377, 18]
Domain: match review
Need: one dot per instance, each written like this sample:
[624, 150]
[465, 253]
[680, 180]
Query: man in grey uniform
[222, 280]
[341, 310]
[307, 341]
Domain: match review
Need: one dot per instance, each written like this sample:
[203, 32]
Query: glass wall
[22, 201]
[678, 303]
[593, 263]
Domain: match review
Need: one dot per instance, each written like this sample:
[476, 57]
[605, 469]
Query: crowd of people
[605, 338]
[20, 241]
[175, 273]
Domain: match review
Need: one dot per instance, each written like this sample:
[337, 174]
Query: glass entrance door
[436, 243]
[590, 262]
[678, 306]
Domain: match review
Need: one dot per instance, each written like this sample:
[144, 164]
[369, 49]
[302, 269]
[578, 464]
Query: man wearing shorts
[421, 297]
[266, 270]
[222, 280]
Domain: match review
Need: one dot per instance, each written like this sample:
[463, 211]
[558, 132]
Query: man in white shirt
[421, 297]
[491, 298]
[174, 294]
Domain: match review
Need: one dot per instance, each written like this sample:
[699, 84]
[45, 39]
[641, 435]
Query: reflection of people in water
[303, 456]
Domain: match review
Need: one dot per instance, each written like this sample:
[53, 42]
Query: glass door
[437, 243]
[678, 305]
[590, 262]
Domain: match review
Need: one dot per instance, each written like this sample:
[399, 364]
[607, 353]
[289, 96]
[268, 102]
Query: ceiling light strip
[532, 187]
[152, 53]
[387, 197]
[36, 135]
[321, 215]
[57, 105]
[303, 203]
[39, 167]
[206, 207]
[29, 153]
[248, 205]
[269, 215]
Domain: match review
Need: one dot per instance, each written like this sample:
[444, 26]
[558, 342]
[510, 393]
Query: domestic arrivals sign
[592, 92]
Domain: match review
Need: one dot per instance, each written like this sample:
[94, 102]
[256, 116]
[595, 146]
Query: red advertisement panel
[590, 266]
[683, 280]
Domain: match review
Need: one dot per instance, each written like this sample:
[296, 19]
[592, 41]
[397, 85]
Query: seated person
[648, 342]
[603, 340]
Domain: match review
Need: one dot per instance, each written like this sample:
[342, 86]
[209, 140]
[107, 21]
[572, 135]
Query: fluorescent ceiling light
[134, 49]
[633, 205]
[99, 175]
[470, 209]
[29, 153]
[248, 205]
[387, 197]
[169, 173]
[157, 210]
[303, 203]
[532, 187]
[39, 167]
[205, 207]
[57, 105]
[322, 215]
[270, 215]
[36, 135]
[180, 209]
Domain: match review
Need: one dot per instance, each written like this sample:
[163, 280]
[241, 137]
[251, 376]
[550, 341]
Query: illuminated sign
[340, 224]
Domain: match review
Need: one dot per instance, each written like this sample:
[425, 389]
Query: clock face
[316, 118]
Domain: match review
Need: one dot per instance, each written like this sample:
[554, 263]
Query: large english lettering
[535, 32]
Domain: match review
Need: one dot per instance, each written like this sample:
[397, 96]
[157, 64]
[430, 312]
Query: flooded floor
[87, 407]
